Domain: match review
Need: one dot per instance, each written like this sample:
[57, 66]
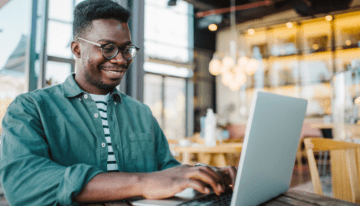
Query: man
[83, 141]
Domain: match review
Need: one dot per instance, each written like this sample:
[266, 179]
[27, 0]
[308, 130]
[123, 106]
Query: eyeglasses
[110, 50]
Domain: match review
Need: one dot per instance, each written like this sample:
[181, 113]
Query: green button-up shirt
[53, 143]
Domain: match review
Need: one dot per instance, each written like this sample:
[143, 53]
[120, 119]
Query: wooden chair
[345, 153]
[299, 155]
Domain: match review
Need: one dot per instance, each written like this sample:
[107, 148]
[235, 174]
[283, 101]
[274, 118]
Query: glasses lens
[110, 51]
[130, 52]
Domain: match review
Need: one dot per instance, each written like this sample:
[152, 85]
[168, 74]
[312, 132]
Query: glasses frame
[120, 49]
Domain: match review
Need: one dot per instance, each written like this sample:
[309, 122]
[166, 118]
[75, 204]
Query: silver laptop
[268, 155]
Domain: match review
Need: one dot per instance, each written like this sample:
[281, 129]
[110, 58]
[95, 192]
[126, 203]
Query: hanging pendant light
[234, 72]
[226, 78]
[228, 62]
[215, 67]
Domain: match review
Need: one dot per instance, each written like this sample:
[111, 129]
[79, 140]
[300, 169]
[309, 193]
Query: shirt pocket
[143, 152]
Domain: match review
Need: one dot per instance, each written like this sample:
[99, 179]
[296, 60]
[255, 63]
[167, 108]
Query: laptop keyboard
[212, 199]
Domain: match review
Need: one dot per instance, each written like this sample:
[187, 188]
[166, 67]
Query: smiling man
[82, 140]
[100, 72]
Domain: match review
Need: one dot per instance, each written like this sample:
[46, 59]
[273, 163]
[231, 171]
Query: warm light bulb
[240, 77]
[234, 86]
[212, 27]
[251, 31]
[226, 78]
[357, 100]
[315, 46]
[289, 25]
[242, 62]
[238, 80]
[328, 18]
[348, 42]
[228, 62]
[215, 67]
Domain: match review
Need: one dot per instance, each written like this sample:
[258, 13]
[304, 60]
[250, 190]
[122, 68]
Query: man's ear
[75, 49]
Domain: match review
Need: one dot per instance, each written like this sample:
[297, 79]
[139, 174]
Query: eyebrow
[109, 41]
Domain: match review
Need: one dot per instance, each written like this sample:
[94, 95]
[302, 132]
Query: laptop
[267, 158]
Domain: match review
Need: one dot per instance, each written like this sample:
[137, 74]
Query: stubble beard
[98, 81]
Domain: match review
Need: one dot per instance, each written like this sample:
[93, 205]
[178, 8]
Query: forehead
[109, 29]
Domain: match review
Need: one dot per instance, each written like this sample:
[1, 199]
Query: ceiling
[215, 4]
[223, 20]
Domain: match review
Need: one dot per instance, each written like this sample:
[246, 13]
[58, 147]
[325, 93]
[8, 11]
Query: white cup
[184, 142]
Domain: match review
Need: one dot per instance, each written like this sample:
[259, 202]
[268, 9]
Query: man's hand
[167, 183]
[228, 175]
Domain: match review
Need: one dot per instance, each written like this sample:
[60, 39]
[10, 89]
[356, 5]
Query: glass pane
[316, 67]
[283, 71]
[56, 72]
[347, 30]
[14, 34]
[175, 107]
[157, 68]
[59, 39]
[316, 36]
[61, 10]
[152, 95]
[283, 40]
[168, 35]
[78, 1]
[164, 51]
[181, 6]
[15, 30]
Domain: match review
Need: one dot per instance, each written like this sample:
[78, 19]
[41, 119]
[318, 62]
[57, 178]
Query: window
[166, 31]
[14, 35]
[60, 63]
[166, 97]
[168, 59]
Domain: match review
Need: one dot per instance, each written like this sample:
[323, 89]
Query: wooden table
[214, 156]
[354, 129]
[322, 125]
[290, 198]
[300, 198]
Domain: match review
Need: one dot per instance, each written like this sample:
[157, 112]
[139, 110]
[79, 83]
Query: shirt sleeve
[164, 157]
[27, 173]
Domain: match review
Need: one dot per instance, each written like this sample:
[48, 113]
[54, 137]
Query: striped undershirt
[101, 103]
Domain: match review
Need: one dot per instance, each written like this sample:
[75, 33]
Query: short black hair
[87, 11]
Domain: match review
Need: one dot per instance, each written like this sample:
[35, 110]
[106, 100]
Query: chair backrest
[346, 152]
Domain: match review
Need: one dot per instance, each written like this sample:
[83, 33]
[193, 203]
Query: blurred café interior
[207, 54]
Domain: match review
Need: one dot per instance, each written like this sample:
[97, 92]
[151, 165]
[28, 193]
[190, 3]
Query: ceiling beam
[236, 8]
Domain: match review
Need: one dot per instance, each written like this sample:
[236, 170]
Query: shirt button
[115, 103]
[96, 115]
[80, 99]
[103, 145]
[85, 96]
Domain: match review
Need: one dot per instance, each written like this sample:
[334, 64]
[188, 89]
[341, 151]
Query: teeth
[113, 72]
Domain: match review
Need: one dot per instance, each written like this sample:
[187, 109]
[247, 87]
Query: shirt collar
[115, 94]
[72, 89]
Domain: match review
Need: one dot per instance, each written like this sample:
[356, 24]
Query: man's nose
[119, 59]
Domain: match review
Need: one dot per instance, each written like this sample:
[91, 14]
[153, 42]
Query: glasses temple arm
[91, 42]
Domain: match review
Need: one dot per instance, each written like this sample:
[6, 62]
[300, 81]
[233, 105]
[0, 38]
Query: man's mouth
[114, 72]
